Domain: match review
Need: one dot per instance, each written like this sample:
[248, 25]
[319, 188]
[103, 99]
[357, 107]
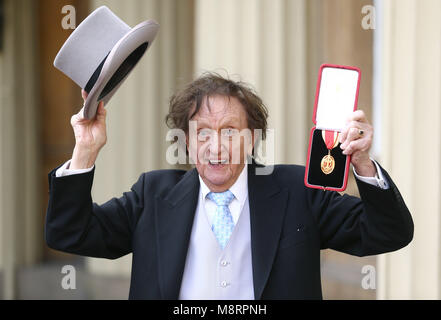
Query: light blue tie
[223, 223]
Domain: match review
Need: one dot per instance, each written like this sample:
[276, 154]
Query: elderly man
[221, 231]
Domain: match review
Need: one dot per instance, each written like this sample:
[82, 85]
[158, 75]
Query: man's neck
[225, 187]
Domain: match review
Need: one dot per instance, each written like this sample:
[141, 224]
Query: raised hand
[356, 141]
[90, 136]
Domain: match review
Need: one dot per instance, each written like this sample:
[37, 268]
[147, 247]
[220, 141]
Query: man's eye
[204, 133]
[229, 132]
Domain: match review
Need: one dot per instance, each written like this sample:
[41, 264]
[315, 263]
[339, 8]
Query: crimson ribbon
[331, 139]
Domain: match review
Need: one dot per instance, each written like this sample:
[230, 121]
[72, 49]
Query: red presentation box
[336, 97]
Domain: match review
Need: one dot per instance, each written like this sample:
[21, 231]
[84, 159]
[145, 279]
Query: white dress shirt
[239, 190]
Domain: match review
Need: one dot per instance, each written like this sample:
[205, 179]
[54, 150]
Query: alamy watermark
[69, 20]
[69, 281]
[368, 20]
[233, 146]
[368, 282]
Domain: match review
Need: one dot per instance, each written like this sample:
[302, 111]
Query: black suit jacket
[289, 225]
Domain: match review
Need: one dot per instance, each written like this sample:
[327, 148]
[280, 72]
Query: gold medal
[328, 164]
[331, 141]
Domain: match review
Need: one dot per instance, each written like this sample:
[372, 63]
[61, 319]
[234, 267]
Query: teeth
[218, 161]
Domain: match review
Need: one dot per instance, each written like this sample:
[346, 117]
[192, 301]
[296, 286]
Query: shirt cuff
[379, 180]
[64, 170]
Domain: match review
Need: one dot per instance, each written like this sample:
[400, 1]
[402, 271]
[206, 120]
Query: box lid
[336, 96]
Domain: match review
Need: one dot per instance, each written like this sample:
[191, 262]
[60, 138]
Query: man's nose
[215, 143]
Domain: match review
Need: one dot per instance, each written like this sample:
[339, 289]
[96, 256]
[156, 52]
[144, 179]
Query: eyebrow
[233, 121]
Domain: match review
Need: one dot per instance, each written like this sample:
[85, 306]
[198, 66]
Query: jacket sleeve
[377, 223]
[75, 224]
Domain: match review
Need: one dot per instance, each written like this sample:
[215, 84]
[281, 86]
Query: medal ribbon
[330, 138]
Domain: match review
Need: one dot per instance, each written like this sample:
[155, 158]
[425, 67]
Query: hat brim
[118, 64]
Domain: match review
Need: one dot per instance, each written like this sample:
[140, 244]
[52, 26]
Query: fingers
[100, 116]
[352, 132]
[356, 119]
[78, 117]
[348, 132]
[356, 145]
[101, 112]
[357, 135]
[84, 94]
[358, 115]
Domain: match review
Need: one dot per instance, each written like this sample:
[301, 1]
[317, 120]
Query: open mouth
[217, 161]
[216, 164]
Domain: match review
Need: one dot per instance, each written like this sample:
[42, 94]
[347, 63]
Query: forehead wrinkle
[208, 108]
[205, 110]
[229, 113]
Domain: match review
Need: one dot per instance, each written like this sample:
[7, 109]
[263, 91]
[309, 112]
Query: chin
[217, 177]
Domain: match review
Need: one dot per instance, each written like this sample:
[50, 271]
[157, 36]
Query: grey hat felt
[101, 52]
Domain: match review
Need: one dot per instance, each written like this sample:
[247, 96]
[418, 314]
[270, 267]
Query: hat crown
[89, 45]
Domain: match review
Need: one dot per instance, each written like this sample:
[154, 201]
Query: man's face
[222, 140]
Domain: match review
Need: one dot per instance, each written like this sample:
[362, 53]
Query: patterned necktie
[223, 223]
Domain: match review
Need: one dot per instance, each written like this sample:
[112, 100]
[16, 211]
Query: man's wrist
[65, 170]
[378, 180]
[82, 158]
[366, 169]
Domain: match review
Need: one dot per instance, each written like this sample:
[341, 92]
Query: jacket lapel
[174, 218]
[267, 210]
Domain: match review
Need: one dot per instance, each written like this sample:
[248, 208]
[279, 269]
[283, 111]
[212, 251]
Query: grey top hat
[101, 52]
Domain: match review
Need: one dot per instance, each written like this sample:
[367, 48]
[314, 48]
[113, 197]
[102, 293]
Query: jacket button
[224, 284]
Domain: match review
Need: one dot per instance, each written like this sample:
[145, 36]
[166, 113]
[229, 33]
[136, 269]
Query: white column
[411, 141]
[136, 128]
[263, 43]
[19, 176]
